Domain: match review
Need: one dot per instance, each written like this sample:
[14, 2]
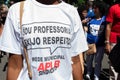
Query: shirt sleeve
[79, 43]
[10, 39]
[110, 14]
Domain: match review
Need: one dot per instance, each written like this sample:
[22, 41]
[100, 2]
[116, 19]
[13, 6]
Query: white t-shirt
[52, 35]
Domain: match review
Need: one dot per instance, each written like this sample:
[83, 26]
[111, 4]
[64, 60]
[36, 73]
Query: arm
[15, 65]
[82, 61]
[77, 68]
[107, 36]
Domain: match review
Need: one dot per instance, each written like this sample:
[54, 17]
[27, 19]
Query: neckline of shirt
[44, 5]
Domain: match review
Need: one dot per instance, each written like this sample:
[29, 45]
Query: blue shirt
[90, 13]
[96, 31]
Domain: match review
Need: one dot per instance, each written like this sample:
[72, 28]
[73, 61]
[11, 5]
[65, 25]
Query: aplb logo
[48, 67]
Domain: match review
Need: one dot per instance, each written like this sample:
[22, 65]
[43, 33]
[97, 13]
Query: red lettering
[48, 65]
[57, 63]
[41, 67]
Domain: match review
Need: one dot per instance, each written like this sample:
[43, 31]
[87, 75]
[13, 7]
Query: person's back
[49, 31]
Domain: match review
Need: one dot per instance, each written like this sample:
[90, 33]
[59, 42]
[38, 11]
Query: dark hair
[101, 6]
[80, 9]
[117, 2]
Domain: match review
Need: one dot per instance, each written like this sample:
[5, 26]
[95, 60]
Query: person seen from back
[51, 32]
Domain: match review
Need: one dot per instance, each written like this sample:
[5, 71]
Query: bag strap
[102, 20]
[21, 13]
[25, 51]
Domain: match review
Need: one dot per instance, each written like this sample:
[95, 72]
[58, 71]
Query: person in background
[96, 34]
[4, 11]
[11, 2]
[1, 28]
[3, 14]
[82, 10]
[53, 36]
[112, 31]
[90, 9]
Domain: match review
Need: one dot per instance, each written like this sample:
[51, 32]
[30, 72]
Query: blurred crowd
[101, 23]
[93, 16]
[3, 13]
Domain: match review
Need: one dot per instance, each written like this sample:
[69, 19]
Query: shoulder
[13, 10]
[14, 6]
[92, 21]
[103, 18]
[68, 7]
[114, 7]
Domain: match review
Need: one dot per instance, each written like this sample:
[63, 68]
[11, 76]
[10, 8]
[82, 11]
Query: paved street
[105, 69]
[2, 64]
[104, 72]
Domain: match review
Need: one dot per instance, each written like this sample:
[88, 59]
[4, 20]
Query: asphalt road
[104, 71]
[105, 68]
[2, 66]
